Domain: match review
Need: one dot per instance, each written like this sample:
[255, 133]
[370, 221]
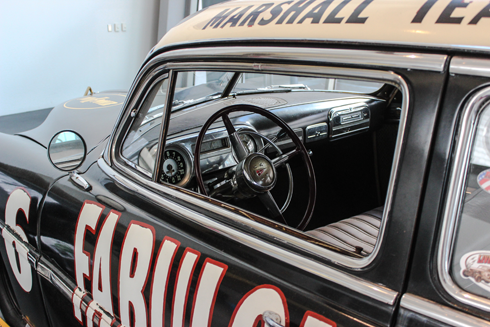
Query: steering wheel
[255, 174]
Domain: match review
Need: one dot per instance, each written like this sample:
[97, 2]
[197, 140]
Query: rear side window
[470, 263]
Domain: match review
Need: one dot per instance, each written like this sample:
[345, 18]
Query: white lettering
[87, 220]
[19, 199]
[207, 287]
[134, 269]
[165, 258]
[101, 281]
[312, 319]
[184, 277]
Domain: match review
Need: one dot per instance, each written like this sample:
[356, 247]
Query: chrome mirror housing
[67, 150]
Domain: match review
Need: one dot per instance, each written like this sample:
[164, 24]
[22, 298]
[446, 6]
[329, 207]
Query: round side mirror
[67, 150]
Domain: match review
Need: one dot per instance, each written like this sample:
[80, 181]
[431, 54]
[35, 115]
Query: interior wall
[52, 50]
[171, 13]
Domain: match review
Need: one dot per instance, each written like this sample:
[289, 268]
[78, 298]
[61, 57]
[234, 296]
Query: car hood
[93, 117]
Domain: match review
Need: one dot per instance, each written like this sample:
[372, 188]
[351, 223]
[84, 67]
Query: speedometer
[174, 167]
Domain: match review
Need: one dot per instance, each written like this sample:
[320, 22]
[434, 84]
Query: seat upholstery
[357, 234]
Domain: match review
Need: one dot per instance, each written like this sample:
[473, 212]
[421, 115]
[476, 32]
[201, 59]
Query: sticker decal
[19, 200]
[484, 180]
[475, 266]
[96, 102]
[140, 263]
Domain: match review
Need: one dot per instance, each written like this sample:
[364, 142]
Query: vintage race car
[275, 163]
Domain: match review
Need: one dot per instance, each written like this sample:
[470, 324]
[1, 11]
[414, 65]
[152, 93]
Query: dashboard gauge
[176, 167]
[248, 142]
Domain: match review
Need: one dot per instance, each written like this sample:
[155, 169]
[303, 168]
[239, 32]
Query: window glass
[250, 82]
[470, 265]
[346, 133]
[141, 144]
[195, 87]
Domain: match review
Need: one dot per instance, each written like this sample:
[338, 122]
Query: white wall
[171, 13]
[51, 50]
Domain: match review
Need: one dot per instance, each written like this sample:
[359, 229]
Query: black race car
[273, 164]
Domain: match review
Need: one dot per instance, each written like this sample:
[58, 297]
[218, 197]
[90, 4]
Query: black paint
[233, 20]
[445, 17]
[332, 17]
[252, 17]
[354, 18]
[296, 10]
[422, 12]
[275, 12]
[316, 13]
[219, 18]
[484, 13]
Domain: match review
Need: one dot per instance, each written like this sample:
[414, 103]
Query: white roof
[432, 23]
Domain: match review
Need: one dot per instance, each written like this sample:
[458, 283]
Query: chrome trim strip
[42, 266]
[375, 291]
[386, 77]
[127, 161]
[470, 66]
[453, 206]
[440, 313]
[332, 42]
[406, 60]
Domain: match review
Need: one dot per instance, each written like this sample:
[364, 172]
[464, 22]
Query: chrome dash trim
[372, 290]
[452, 209]
[470, 66]
[406, 60]
[440, 312]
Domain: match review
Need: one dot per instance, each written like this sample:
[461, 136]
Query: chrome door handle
[271, 319]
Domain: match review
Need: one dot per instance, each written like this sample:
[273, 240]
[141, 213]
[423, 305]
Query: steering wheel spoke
[282, 159]
[236, 143]
[268, 200]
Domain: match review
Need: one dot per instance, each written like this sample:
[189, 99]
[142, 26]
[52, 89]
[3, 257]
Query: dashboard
[313, 120]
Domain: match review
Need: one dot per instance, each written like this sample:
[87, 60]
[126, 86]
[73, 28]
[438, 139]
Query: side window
[141, 144]
[470, 263]
[355, 134]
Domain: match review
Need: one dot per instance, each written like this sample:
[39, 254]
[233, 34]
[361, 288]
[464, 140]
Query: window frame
[452, 211]
[154, 83]
[292, 236]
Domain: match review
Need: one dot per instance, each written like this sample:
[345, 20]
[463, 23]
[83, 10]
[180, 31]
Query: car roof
[420, 23]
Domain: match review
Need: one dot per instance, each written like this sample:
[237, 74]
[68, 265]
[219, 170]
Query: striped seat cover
[356, 234]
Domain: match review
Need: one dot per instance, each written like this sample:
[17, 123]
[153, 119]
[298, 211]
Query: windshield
[200, 86]
[253, 83]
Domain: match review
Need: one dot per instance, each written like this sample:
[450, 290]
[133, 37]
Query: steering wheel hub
[258, 172]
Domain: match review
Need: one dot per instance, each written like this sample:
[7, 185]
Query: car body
[163, 206]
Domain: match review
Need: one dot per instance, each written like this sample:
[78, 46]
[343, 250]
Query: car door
[127, 248]
[448, 284]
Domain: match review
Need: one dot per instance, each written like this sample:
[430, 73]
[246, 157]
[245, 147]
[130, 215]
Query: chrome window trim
[443, 47]
[127, 161]
[372, 290]
[440, 313]
[387, 77]
[470, 66]
[406, 60]
[453, 203]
